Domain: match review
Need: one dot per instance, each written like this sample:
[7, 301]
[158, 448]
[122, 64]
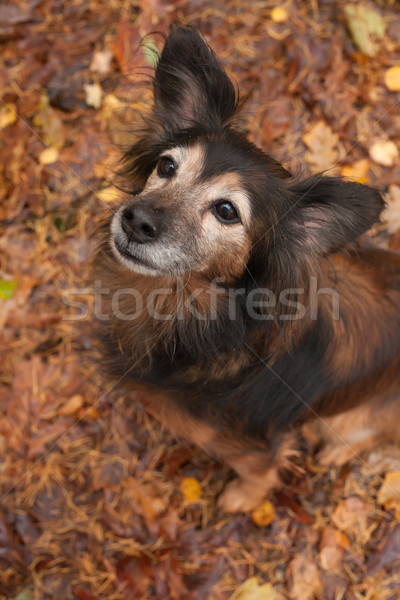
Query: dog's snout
[141, 225]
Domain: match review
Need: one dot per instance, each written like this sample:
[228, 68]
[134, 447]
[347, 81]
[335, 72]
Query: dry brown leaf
[332, 546]
[384, 153]
[322, 143]
[351, 517]
[305, 582]
[389, 493]
[101, 62]
[48, 156]
[72, 405]
[391, 214]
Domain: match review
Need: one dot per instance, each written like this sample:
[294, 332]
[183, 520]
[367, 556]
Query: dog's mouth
[126, 253]
[129, 255]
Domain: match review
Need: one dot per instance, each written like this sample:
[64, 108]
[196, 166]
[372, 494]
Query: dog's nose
[140, 224]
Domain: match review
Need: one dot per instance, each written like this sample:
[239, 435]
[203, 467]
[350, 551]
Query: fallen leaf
[365, 25]
[332, 546]
[275, 120]
[25, 594]
[351, 517]
[101, 62]
[72, 405]
[110, 104]
[391, 214]
[53, 133]
[151, 52]
[127, 50]
[304, 579]
[384, 153]
[387, 553]
[389, 493]
[191, 489]
[321, 142]
[7, 288]
[252, 590]
[84, 594]
[8, 115]
[93, 94]
[264, 515]
[358, 171]
[279, 14]
[48, 156]
[392, 79]
[109, 194]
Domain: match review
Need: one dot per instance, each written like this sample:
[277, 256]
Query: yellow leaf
[190, 489]
[8, 115]
[109, 194]
[279, 14]
[48, 156]
[392, 79]
[110, 105]
[252, 590]
[151, 52]
[365, 24]
[264, 514]
[72, 405]
[7, 288]
[48, 119]
[358, 171]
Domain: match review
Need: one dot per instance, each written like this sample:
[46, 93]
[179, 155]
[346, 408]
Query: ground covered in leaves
[96, 501]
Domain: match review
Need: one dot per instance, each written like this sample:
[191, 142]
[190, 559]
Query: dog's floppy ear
[329, 213]
[191, 88]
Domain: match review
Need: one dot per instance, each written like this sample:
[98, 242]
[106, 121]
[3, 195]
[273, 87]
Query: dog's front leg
[256, 465]
[258, 473]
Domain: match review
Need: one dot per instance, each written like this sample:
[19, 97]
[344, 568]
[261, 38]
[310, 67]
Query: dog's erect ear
[191, 88]
[329, 213]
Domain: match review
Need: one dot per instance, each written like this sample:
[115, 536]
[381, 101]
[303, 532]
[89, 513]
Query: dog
[246, 301]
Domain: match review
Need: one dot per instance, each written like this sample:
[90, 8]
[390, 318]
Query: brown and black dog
[240, 295]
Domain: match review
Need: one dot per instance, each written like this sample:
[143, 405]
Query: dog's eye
[226, 212]
[166, 167]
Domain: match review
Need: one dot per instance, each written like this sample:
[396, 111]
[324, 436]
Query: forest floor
[95, 499]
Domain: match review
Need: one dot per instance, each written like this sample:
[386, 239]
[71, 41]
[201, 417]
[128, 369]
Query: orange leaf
[264, 514]
[191, 489]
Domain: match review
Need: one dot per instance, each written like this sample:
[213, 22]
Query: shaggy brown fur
[238, 295]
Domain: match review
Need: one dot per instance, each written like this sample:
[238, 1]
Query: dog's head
[208, 201]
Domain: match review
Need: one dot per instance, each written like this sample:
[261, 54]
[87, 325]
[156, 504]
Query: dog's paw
[236, 498]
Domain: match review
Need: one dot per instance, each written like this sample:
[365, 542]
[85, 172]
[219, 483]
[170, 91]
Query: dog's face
[200, 210]
[211, 203]
[187, 218]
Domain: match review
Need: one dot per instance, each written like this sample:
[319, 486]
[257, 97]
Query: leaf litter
[97, 501]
